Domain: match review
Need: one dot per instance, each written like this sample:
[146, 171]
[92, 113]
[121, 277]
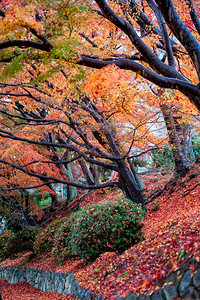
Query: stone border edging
[50, 281]
[47, 281]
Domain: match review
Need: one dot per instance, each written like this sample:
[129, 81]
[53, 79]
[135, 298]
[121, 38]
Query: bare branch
[88, 39]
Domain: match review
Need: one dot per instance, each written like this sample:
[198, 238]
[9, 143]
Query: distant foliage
[139, 163]
[42, 199]
[112, 226]
[14, 243]
[163, 158]
[196, 147]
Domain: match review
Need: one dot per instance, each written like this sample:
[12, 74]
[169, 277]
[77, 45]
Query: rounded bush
[112, 226]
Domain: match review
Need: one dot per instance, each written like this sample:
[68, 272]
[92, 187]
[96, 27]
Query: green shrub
[42, 199]
[112, 226]
[44, 240]
[4, 240]
[4, 236]
[21, 241]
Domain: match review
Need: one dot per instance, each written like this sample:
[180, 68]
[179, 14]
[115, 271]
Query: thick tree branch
[180, 31]
[155, 63]
[42, 38]
[165, 35]
[185, 87]
[25, 44]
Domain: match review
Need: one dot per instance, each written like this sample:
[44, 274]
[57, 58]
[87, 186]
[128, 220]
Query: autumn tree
[156, 40]
[157, 36]
[155, 33]
[179, 119]
[84, 131]
[152, 39]
[159, 48]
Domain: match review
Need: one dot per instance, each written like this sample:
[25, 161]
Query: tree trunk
[184, 132]
[128, 184]
[126, 180]
[85, 171]
[95, 173]
[72, 192]
[136, 175]
[23, 220]
[54, 197]
[181, 164]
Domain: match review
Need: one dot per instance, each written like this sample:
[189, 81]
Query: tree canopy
[159, 40]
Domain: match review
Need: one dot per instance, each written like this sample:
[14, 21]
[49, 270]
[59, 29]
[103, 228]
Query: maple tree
[147, 34]
[180, 121]
[154, 47]
[148, 27]
[84, 133]
[132, 33]
[141, 25]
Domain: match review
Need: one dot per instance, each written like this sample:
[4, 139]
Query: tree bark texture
[181, 164]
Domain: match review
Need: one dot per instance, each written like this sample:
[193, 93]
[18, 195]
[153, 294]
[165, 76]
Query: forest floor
[172, 238]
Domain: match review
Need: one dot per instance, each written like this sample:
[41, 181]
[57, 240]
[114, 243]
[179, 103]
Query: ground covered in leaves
[172, 239]
[24, 291]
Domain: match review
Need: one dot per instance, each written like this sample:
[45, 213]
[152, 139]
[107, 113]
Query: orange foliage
[115, 93]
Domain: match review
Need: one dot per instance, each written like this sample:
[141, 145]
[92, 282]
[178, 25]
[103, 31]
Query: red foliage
[155, 181]
[24, 291]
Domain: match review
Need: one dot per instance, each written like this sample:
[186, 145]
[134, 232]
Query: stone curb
[50, 281]
[47, 281]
